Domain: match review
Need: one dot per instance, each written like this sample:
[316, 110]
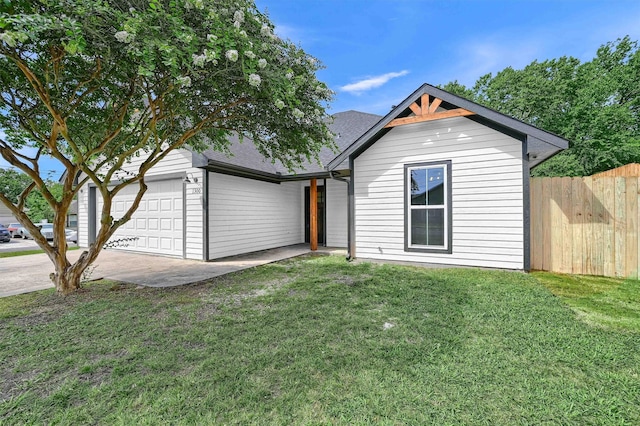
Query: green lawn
[608, 302]
[317, 340]
[27, 252]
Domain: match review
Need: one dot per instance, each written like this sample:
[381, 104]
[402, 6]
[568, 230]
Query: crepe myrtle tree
[93, 83]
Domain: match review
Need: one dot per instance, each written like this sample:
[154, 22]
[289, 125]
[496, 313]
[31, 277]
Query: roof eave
[379, 129]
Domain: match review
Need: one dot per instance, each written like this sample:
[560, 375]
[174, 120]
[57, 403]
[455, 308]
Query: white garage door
[157, 224]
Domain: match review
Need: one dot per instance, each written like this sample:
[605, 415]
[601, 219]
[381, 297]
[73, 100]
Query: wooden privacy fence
[585, 225]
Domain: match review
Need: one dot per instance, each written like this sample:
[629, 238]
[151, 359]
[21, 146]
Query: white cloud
[372, 82]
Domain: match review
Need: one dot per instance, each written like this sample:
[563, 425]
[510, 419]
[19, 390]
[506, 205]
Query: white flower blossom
[279, 104]
[236, 24]
[211, 37]
[199, 4]
[297, 113]
[124, 37]
[265, 30]
[243, 33]
[289, 75]
[199, 60]
[232, 55]
[249, 54]
[254, 80]
[132, 10]
[184, 81]
[262, 63]
[238, 16]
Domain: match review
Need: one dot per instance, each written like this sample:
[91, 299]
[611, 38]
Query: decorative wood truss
[428, 111]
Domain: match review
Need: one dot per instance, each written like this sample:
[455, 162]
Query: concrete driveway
[23, 274]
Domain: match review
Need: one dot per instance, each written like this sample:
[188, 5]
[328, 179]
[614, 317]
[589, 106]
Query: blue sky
[377, 52]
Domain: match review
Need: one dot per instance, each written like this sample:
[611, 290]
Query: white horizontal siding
[194, 214]
[487, 197]
[83, 217]
[178, 161]
[336, 209]
[248, 215]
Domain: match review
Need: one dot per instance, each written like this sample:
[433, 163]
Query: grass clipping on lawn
[315, 340]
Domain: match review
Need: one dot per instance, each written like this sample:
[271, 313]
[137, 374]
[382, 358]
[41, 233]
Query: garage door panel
[157, 223]
[153, 242]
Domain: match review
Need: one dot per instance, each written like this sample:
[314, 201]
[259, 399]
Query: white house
[439, 179]
[6, 217]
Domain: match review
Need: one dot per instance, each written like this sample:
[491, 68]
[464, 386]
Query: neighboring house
[72, 215]
[6, 217]
[439, 179]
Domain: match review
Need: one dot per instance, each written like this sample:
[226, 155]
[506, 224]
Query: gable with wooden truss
[428, 108]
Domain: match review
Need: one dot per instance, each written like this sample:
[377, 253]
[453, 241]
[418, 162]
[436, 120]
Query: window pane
[435, 226]
[419, 227]
[419, 187]
[435, 183]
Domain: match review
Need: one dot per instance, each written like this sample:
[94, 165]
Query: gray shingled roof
[348, 126]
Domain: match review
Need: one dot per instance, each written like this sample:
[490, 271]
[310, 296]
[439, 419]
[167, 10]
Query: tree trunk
[67, 281]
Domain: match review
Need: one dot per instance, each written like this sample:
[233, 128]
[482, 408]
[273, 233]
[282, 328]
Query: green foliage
[13, 183]
[191, 66]
[36, 206]
[595, 105]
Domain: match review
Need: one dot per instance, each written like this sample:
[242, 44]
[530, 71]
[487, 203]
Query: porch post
[313, 211]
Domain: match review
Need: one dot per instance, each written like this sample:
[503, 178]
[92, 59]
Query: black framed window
[428, 207]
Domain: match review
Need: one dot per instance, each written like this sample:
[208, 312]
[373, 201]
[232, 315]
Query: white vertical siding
[487, 197]
[336, 209]
[247, 215]
[176, 162]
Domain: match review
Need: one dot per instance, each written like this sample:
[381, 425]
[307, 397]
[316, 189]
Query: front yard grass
[316, 340]
[607, 302]
[27, 252]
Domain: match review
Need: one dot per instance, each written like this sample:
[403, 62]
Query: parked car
[72, 235]
[13, 229]
[47, 231]
[24, 233]
[5, 235]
